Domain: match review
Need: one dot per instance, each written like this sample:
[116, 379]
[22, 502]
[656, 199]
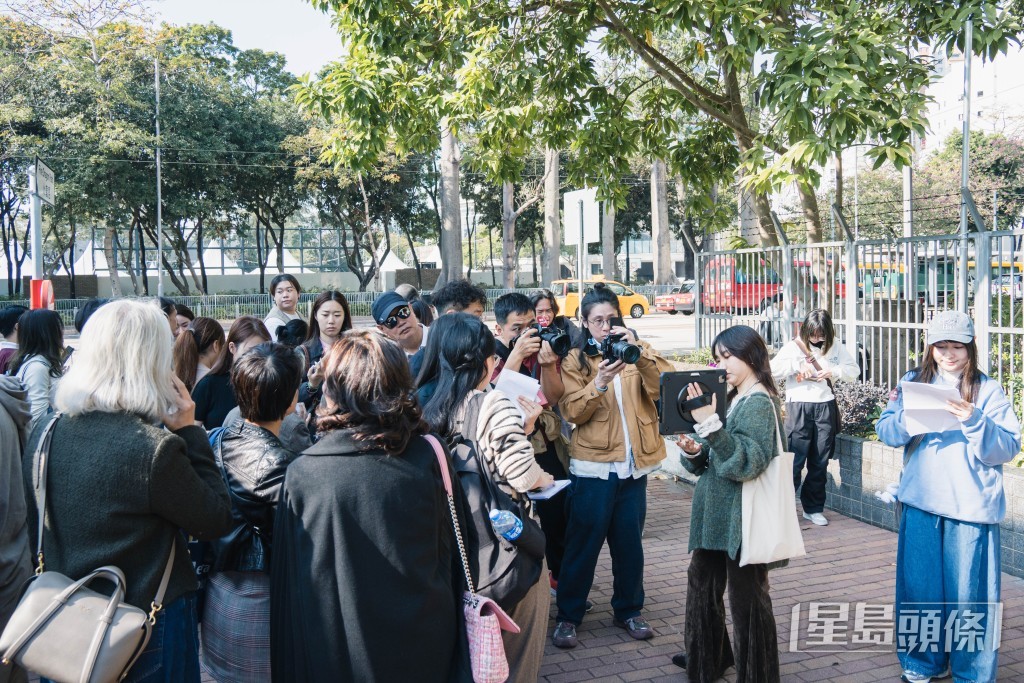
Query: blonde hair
[123, 363]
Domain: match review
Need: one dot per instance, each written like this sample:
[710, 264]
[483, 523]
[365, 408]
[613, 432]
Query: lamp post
[159, 202]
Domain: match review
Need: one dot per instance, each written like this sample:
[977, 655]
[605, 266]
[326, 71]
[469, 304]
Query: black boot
[679, 660]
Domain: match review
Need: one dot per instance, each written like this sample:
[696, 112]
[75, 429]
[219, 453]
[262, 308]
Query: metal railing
[882, 312]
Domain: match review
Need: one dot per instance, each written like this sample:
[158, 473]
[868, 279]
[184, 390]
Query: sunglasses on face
[401, 314]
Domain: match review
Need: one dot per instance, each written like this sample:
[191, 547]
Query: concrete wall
[861, 467]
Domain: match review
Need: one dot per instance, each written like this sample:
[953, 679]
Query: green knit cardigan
[739, 452]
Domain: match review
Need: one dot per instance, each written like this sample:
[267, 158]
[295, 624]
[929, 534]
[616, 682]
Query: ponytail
[202, 334]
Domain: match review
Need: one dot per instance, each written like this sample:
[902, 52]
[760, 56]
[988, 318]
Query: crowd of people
[279, 480]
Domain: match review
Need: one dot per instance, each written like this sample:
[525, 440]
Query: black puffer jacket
[253, 462]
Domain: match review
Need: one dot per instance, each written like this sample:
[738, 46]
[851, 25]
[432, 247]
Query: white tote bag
[771, 531]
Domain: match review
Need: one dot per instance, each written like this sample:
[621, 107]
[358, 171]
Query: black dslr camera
[558, 340]
[614, 347]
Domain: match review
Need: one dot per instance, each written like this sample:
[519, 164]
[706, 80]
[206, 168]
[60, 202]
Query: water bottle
[506, 525]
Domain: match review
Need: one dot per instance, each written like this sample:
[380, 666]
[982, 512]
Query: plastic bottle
[506, 525]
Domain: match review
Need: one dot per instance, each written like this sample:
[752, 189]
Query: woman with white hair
[121, 489]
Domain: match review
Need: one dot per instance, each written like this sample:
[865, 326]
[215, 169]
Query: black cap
[385, 303]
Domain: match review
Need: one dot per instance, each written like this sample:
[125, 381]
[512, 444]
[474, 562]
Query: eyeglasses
[401, 314]
[598, 323]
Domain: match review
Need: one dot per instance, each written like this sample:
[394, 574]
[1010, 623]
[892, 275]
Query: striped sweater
[503, 444]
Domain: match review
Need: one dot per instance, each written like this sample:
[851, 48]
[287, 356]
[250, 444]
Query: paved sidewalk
[847, 561]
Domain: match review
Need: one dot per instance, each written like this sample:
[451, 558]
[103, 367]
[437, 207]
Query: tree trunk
[415, 258]
[661, 233]
[451, 231]
[108, 254]
[609, 262]
[204, 286]
[490, 246]
[533, 258]
[143, 266]
[839, 179]
[508, 236]
[551, 247]
[812, 225]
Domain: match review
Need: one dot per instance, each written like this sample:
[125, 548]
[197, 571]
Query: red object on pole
[41, 295]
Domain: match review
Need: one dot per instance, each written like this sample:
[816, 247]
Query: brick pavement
[846, 561]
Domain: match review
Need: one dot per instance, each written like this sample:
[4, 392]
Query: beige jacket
[598, 435]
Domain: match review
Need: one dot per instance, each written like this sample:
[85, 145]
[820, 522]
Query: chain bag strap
[485, 620]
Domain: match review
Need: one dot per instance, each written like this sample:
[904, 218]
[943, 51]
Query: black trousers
[552, 513]
[811, 433]
[708, 650]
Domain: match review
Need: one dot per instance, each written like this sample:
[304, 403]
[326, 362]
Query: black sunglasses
[401, 314]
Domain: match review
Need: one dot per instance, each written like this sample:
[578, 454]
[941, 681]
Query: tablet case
[675, 410]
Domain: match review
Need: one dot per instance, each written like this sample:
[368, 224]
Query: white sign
[45, 187]
[591, 216]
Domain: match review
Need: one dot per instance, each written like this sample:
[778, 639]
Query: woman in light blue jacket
[948, 559]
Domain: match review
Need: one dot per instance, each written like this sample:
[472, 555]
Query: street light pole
[965, 161]
[159, 203]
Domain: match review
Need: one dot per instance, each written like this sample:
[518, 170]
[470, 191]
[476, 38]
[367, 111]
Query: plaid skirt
[236, 627]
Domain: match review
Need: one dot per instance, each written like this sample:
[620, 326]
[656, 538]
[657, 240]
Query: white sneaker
[816, 518]
[915, 678]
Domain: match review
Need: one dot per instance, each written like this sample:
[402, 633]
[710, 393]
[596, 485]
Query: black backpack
[506, 571]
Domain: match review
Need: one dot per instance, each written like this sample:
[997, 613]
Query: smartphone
[617, 321]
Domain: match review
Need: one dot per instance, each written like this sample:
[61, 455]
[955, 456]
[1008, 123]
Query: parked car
[1009, 285]
[567, 295]
[668, 303]
[685, 299]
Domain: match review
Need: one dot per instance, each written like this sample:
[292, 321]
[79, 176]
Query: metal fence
[881, 293]
[230, 306]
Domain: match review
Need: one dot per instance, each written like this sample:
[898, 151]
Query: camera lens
[628, 353]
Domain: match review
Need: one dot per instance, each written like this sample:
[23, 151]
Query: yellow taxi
[567, 295]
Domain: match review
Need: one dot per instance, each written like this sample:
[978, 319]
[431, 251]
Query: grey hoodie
[15, 563]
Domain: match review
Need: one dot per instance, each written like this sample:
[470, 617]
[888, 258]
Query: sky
[291, 27]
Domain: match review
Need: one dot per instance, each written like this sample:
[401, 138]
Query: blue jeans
[172, 653]
[599, 509]
[947, 595]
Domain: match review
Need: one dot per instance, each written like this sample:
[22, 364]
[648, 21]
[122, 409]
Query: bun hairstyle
[201, 336]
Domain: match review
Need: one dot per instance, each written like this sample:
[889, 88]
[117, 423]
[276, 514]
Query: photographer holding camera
[520, 348]
[611, 385]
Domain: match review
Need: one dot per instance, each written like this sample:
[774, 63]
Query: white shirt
[623, 469]
[786, 364]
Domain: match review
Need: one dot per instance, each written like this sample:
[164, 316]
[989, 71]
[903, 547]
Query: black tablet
[675, 406]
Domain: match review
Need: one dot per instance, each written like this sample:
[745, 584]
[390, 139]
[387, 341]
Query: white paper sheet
[549, 492]
[516, 384]
[924, 408]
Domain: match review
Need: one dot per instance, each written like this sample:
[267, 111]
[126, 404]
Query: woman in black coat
[366, 582]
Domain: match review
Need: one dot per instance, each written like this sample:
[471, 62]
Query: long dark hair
[40, 333]
[190, 345]
[430, 367]
[600, 294]
[817, 322]
[747, 345]
[321, 299]
[242, 329]
[462, 345]
[368, 390]
[970, 380]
